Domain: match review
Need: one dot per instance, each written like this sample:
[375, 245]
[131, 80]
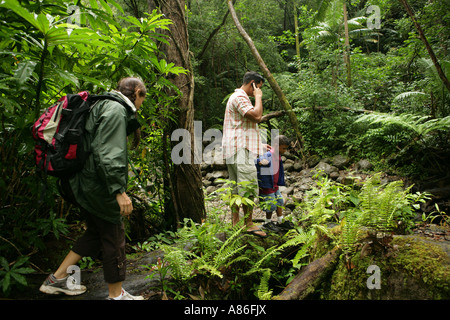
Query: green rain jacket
[105, 172]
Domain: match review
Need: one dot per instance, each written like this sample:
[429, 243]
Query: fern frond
[421, 125]
[263, 292]
[229, 249]
[350, 230]
[409, 94]
[303, 252]
[387, 205]
[209, 268]
[296, 238]
[369, 201]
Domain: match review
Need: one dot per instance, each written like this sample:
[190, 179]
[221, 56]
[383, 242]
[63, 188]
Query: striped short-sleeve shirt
[239, 131]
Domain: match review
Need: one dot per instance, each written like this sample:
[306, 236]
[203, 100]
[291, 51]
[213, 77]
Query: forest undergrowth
[215, 260]
[373, 92]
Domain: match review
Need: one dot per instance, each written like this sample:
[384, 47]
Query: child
[270, 177]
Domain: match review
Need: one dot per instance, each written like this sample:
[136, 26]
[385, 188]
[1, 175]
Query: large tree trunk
[427, 45]
[268, 75]
[187, 179]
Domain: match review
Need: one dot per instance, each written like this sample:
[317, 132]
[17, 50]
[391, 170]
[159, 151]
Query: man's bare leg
[248, 216]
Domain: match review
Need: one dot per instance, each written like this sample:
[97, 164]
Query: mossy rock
[412, 267]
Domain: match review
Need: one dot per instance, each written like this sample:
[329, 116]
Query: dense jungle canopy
[367, 79]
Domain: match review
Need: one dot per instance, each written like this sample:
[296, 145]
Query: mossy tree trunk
[186, 185]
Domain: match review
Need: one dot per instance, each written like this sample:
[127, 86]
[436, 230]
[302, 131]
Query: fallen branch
[310, 277]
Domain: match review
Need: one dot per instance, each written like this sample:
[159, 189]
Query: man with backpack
[99, 189]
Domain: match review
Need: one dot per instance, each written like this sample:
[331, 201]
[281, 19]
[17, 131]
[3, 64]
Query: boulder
[297, 166]
[288, 165]
[363, 165]
[312, 161]
[410, 267]
[325, 167]
[340, 161]
[222, 174]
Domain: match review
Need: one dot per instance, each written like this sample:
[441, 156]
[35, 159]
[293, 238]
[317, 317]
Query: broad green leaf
[66, 77]
[44, 22]
[116, 5]
[106, 7]
[6, 281]
[59, 35]
[21, 11]
[4, 263]
[133, 20]
[19, 278]
[94, 4]
[24, 71]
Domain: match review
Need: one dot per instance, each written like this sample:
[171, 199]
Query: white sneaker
[126, 296]
[56, 286]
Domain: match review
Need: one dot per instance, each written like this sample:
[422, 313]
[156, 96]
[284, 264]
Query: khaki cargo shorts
[242, 170]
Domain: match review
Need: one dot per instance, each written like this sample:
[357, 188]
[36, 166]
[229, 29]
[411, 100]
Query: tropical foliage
[50, 49]
[361, 83]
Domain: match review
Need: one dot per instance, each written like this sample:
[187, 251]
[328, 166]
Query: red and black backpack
[58, 133]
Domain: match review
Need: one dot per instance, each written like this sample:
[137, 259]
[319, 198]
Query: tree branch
[427, 45]
[268, 75]
[212, 35]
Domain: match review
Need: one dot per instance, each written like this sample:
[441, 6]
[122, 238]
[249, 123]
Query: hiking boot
[126, 296]
[286, 225]
[271, 227]
[56, 286]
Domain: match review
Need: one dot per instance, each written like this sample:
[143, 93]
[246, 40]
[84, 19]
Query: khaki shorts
[242, 170]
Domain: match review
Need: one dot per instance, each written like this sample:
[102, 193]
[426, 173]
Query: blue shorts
[270, 202]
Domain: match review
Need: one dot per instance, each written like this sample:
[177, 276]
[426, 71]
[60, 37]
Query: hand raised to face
[257, 92]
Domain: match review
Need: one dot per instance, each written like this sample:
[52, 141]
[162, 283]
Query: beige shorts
[242, 170]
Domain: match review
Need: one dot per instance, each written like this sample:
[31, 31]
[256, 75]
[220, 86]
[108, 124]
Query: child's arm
[263, 161]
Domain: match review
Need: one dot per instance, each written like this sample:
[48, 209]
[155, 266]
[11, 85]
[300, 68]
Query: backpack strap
[86, 106]
[94, 98]
[133, 124]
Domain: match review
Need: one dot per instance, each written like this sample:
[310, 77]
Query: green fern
[295, 238]
[380, 203]
[212, 260]
[350, 231]
[379, 208]
[420, 125]
[263, 292]
[322, 202]
[410, 94]
[230, 248]
[208, 255]
[389, 203]
[307, 241]
[177, 260]
[369, 201]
